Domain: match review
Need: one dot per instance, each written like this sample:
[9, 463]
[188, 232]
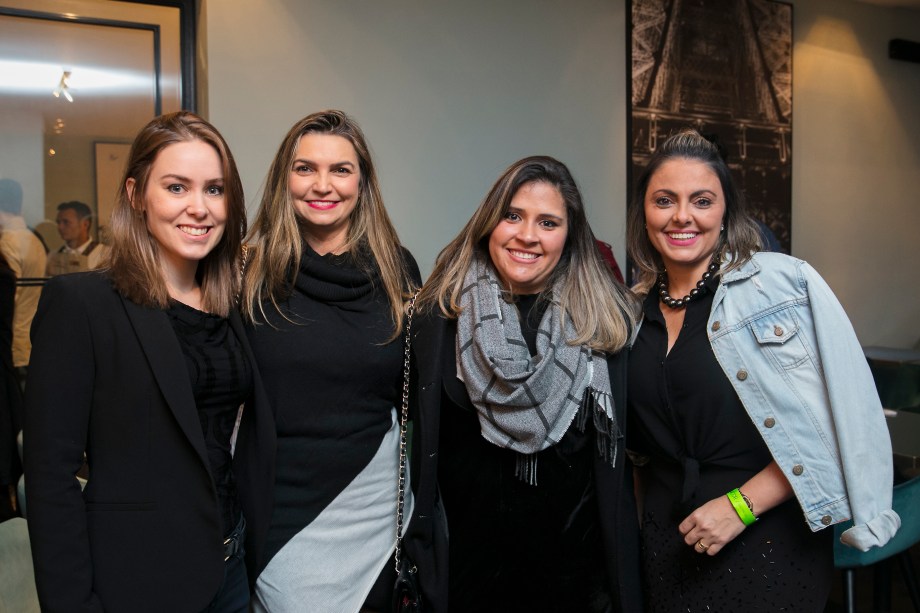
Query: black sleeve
[56, 421]
[10, 399]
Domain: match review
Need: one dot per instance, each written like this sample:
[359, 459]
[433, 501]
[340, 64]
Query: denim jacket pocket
[778, 334]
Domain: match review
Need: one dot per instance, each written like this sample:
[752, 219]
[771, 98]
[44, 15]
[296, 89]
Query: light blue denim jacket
[791, 354]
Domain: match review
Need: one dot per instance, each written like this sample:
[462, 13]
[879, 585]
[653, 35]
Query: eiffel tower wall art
[723, 67]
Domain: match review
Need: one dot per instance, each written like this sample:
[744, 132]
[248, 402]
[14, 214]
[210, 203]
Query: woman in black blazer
[145, 367]
[517, 348]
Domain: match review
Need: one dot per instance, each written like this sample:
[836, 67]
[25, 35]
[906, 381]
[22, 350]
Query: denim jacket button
[769, 422]
[798, 469]
[777, 331]
[716, 325]
[742, 375]
[826, 520]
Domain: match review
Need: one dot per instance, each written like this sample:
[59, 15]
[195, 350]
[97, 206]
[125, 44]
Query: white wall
[856, 165]
[450, 93]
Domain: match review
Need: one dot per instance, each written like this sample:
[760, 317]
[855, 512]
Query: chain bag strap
[406, 595]
[244, 259]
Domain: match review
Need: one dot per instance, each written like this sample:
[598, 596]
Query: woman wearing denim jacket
[750, 402]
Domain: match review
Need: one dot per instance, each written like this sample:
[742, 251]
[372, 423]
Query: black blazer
[614, 485]
[107, 376]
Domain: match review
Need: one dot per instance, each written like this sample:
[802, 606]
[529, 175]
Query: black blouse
[683, 411]
[222, 380]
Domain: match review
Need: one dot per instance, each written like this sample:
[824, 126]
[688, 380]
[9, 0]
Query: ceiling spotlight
[63, 88]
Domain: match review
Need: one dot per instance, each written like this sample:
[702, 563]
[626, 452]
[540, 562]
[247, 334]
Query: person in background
[25, 255]
[79, 251]
[750, 403]
[146, 367]
[611, 261]
[519, 354]
[768, 238]
[325, 291]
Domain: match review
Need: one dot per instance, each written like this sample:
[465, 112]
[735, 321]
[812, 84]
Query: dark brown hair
[741, 237]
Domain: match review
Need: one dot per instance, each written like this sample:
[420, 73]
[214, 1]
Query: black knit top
[221, 378]
[332, 378]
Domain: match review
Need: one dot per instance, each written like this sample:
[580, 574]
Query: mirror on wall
[78, 79]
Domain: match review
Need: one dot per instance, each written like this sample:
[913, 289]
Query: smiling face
[527, 244]
[184, 206]
[684, 209]
[325, 182]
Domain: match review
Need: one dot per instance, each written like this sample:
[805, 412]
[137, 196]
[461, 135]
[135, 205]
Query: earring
[723, 228]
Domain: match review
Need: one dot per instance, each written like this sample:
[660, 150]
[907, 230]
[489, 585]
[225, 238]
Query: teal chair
[906, 502]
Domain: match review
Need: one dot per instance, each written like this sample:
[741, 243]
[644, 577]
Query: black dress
[515, 546]
[685, 417]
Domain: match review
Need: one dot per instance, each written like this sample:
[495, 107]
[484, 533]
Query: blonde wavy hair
[275, 242]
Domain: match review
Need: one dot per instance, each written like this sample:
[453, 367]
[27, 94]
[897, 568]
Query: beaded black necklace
[679, 303]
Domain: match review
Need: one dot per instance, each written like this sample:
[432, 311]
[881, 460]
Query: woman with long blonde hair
[325, 291]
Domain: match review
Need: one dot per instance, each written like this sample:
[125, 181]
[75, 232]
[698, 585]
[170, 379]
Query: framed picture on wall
[725, 69]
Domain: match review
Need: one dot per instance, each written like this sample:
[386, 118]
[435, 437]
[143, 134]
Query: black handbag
[406, 595]
[407, 598]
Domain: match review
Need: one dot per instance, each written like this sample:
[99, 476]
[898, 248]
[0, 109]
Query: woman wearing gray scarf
[517, 353]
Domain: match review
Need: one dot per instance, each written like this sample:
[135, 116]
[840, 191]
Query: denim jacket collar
[748, 269]
[745, 271]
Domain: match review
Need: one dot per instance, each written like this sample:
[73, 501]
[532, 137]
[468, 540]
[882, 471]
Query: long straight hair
[601, 309]
[737, 243]
[135, 267]
[276, 238]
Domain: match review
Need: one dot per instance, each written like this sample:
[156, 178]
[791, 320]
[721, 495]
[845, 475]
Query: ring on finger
[701, 546]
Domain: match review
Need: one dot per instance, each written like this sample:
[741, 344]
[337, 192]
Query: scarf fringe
[525, 468]
[608, 430]
[607, 441]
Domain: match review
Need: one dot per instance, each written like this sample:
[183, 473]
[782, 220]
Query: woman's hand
[712, 526]
[715, 524]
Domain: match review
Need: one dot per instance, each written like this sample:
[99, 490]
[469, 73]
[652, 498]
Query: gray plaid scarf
[528, 403]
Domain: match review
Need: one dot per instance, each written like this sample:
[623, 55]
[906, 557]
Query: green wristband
[741, 508]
